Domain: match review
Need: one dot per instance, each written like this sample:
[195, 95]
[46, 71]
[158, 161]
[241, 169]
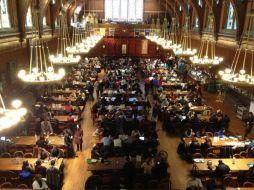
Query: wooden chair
[209, 134]
[197, 155]
[230, 182]
[6, 185]
[244, 154]
[19, 154]
[211, 155]
[5, 155]
[2, 180]
[28, 155]
[248, 184]
[22, 186]
[237, 156]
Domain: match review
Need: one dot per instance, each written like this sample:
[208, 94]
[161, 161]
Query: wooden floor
[75, 172]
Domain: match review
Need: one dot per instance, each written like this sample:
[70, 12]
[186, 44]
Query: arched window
[196, 22]
[200, 3]
[29, 22]
[44, 21]
[74, 18]
[231, 20]
[4, 15]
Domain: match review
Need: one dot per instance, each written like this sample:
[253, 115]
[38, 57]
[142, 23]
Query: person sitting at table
[106, 141]
[129, 172]
[70, 118]
[40, 169]
[39, 183]
[194, 145]
[42, 142]
[182, 148]
[26, 172]
[194, 182]
[46, 127]
[221, 170]
[53, 176]
[250, 174]
[148, 166]
[205, 145]
[55, 152]
[68, 108]
[189, 133]
[222, 133]
[43, 154]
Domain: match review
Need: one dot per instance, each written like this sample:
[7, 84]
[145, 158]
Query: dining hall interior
[127, 94]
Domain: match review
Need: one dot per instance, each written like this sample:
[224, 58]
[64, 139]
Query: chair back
[6, 185]
[19, 154]
[197, 155]
[5, 155]
[248, 184]
[28, 155]
[22, 186]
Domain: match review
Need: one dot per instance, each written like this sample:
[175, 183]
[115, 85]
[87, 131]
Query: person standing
[78, 137]
[248, 124]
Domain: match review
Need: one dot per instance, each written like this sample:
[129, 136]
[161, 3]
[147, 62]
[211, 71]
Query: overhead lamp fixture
[11, 117]
[62, 58]
[185, 50]
[237, 73]
[206, 55]
[41, 70]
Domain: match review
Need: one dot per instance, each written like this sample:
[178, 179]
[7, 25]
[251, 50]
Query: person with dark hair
[249, 120]
[40, 169]
[39, 183]
[42, 142]
[221, 169]
[78, 137]
[68, 143]
[129, 172]
[205, 145]
[181, 149]
[53, 176]
[194, 182]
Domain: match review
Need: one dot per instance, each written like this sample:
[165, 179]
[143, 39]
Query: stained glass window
[196, 22]
[4, 15]
[124, 10]
[29, 22]
[200, 3]
[231, 21]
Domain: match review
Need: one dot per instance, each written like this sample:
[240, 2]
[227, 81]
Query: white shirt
[37, 186]
[117, 143]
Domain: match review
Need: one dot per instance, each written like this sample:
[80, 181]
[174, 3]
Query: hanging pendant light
[186, 49]
[206, 55]
[240, 76]
[41, 70]
[82, 44]
[62, 58]
[11, 117]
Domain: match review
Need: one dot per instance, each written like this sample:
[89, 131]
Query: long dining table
[31, 140]
[15, 164]
[235, 165]
[219, 142]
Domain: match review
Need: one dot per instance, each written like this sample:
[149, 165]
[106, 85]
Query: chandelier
[206, 55]
[82, 44]
[41, 70]
[185, 49]
[234, 74]
[11, 117]
[61, 57]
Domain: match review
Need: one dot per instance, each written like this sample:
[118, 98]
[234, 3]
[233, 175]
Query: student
[39, 183]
